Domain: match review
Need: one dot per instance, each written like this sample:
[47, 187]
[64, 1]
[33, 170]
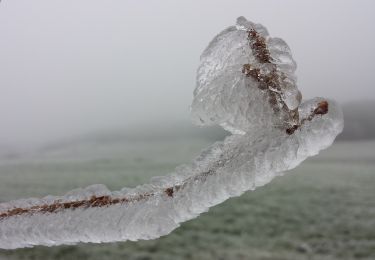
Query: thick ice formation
[266, 97]
[246, 84]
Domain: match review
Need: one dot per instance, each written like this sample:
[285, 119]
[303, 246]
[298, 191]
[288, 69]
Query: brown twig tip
[322, 108]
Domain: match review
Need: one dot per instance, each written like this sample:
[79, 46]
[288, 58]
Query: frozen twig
[246, 84]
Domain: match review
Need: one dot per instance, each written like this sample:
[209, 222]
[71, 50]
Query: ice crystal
[245, 83]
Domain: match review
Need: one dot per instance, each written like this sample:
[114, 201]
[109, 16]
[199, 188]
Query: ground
[324, 209]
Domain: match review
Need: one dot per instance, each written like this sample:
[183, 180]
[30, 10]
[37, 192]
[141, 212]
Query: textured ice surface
[272, 133]
[224, 96]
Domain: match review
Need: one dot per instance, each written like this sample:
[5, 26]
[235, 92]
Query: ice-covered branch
[246, 84]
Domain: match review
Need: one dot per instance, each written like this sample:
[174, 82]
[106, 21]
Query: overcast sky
[71, 67]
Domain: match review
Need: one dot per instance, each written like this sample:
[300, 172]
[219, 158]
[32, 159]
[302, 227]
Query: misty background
[77, 68]
[99, 92]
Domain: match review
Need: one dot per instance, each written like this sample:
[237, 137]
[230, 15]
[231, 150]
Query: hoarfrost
[246, 84]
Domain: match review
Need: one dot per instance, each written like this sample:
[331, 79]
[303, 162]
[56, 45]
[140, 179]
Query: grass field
[324, 209]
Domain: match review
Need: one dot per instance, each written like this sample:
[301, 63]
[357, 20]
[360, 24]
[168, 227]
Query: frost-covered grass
[324, 209]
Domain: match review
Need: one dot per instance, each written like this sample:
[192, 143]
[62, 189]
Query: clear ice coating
[245, 83]
[224, 96]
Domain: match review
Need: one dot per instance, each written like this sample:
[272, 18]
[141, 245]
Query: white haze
[72, 67]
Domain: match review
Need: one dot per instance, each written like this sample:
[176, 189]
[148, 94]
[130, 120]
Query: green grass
[324, 209]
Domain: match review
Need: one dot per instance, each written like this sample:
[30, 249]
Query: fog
[74, 67]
